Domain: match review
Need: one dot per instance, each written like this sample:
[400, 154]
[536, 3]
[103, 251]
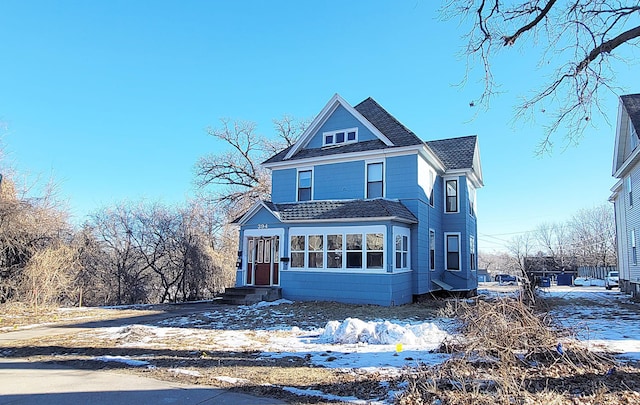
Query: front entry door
[264, 255]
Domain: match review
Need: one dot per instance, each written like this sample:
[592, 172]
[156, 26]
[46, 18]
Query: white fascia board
[432, 159]
[469, 173]
[322, 117]
[345, 157]
[628, 164]
[618, 144]
[615, 190]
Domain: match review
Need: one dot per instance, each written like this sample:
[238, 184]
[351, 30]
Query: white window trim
[304, 169]
[334, 143]
[400, 231]
[306, 231]
[366, 177]
[444, 183]
[248, 233]
[634, 257]
[446, 252]
[432, 248]
[474, 253]
[471, 192]
[630, 191]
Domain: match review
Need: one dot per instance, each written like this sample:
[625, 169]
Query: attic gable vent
[340, 137]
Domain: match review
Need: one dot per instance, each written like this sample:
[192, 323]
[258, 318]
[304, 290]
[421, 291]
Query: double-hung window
[452, 244]
[402, 251]
[375, 184]
[432, 249]
[304, 185]
[634, 253]
[630, 191]
[472, 253]
[451, 192]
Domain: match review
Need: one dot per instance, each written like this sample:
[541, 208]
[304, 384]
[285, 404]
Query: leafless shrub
[508, 354]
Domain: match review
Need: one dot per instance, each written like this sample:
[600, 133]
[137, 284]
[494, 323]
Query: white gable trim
[254, 210]
[324, 115]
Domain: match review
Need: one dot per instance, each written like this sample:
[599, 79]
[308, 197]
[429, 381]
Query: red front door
[264, 255]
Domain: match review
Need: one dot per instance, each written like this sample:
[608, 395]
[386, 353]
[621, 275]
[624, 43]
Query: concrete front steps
[250, 295]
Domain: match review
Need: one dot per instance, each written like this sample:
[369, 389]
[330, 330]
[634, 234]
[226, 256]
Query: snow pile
[353, 330]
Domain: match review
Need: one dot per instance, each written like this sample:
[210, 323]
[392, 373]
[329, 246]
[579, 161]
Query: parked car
[505, 278]
[611, 280]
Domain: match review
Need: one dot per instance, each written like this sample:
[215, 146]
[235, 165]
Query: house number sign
[263, 226]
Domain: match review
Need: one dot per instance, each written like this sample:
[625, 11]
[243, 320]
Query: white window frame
[363, 230]
[446, 251]
[432, 181]
[457, 180]
[630, 190]
[472, 199]
[634, 252]
[472, 253]
[333, 135]
[304, 169]
[432, 248]
[402, 232]
[366, 177]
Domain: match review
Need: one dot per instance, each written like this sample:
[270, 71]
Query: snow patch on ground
[330, 397]
[232, 380]
[122, 359]
[192, 373]
[264, 304]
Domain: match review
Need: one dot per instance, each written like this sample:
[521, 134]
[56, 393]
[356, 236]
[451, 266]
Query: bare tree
[237, 172]
[579, 38]
[114, 228]
[593, 236]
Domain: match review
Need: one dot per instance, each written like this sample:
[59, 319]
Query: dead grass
[509, 354]
[15, 315]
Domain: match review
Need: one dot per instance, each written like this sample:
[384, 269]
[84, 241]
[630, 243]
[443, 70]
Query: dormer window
[340, 137]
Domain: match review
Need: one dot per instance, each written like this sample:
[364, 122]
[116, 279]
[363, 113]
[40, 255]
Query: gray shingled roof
[455, 153]
[349, 209]
[386, 123]
[631, 103]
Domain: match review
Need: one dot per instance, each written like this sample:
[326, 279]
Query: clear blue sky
[112, 98]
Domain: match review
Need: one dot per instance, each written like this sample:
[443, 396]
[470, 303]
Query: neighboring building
[364, 211]
[626, 192]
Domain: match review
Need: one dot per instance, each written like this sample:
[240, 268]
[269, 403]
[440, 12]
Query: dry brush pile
[509, 353]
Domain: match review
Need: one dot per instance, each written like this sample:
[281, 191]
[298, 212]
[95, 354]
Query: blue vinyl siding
[339, 181]
[263, 216]
[341, 119]
[381, 288]
[283, 185]
[401, 175]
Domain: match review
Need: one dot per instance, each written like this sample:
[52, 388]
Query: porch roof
[342, 210]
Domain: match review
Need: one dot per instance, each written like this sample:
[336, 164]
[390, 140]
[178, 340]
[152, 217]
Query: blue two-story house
[364, 211]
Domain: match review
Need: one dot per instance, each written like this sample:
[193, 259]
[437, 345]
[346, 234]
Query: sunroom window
[348, 248]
